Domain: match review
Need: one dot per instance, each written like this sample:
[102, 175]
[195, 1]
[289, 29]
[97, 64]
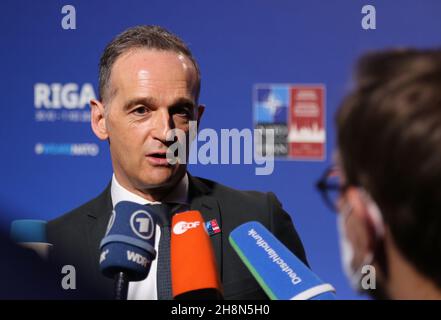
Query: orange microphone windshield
[193, 264]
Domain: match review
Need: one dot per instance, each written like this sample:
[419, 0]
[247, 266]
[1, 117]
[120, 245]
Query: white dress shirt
[147, 289]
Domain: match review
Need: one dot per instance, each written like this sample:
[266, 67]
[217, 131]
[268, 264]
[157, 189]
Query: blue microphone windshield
[129, 244]
[279, 272]
[23, 231]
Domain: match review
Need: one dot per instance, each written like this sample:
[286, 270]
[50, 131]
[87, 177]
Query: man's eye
[141, 110]
[183, 113]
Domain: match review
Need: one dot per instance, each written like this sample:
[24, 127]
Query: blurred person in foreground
[386, 184]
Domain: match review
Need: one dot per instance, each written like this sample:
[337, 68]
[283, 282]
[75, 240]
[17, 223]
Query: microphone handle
[121, 286]
[201, 294]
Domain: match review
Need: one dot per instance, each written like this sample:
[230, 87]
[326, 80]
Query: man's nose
[163, 123]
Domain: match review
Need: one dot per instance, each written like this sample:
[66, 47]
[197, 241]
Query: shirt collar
[178, 195]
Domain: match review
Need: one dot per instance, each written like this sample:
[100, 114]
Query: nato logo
[142, 224]
[271, 104]
[296, 114]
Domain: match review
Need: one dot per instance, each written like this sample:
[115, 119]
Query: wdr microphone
[128, 248]
[279, 272]
[31, 234]
[193, 264]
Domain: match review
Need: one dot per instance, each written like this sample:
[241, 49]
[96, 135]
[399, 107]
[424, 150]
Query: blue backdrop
[238, 44]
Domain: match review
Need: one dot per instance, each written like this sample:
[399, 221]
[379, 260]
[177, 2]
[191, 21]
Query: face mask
[354, 275]
[347, 256]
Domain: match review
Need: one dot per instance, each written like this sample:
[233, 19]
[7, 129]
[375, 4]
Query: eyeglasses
[330, 187]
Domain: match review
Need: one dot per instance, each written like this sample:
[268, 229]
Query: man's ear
[98, 119]
[359, 225]
[201, 109]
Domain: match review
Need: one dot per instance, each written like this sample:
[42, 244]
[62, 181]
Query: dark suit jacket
[76, 235]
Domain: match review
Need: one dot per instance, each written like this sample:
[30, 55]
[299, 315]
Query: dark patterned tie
[164, 213]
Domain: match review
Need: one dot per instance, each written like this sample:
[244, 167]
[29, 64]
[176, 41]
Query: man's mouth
[158, 158]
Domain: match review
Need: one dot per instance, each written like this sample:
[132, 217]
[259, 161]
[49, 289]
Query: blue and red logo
[212, 227]
[296, 113]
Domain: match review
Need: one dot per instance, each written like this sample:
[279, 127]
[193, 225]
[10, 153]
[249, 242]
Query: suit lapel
[201, 200]
[97, 219]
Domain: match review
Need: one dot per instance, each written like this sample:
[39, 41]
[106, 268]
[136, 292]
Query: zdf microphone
[193, 263]
[279, 272]
[128, 248]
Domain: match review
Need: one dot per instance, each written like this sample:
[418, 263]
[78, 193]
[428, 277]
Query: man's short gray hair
[149, 37]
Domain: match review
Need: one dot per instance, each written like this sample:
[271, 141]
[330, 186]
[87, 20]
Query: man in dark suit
[149, 85]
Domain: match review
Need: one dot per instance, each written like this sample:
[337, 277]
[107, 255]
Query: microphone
[193, 263]
[128, 247]
[279, 272]
[31, 234]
